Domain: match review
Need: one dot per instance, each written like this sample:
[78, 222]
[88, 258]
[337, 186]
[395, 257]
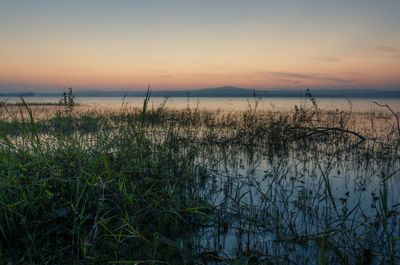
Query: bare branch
[394, 114]
[326, 130]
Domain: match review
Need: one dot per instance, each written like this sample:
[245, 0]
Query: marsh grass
[154, 185]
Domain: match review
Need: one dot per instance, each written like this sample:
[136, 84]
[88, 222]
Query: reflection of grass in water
[181, 186]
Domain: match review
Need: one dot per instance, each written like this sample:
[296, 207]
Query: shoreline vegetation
[166, 186]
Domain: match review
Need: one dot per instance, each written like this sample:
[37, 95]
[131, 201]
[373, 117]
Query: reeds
[159, 185]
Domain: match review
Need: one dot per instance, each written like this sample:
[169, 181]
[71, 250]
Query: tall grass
[159, 185]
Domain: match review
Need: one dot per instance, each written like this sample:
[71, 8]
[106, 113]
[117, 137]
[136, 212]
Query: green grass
[156, 186]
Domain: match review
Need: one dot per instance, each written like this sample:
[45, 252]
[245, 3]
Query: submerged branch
[325, 130]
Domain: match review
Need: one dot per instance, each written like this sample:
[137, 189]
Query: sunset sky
[124, 45]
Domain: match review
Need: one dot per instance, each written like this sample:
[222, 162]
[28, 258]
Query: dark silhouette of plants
[68, 101]
[311, 98]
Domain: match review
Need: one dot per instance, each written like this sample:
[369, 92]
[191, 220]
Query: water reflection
[279, 188]
[230, 104]
[283, 204]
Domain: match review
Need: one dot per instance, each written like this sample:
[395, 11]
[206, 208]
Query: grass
[166, 186]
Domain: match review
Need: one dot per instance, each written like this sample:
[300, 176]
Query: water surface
[231, 104]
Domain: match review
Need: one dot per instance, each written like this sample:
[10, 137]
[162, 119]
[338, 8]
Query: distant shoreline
[223, 92]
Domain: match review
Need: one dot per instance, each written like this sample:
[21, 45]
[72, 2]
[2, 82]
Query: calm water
[231, 104]
[269, 199]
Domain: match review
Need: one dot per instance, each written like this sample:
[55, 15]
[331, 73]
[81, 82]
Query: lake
[231, 104]
[292, 186]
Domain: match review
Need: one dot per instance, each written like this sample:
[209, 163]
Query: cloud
[289, 81]
[211, 75]
[388, 50]
[313, 77]
[166, 76]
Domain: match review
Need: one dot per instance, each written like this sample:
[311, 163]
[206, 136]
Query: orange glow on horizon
[254, 45]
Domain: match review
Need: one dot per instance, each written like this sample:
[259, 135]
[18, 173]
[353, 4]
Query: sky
[48, 45]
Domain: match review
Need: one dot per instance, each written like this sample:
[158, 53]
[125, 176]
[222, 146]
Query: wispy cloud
[289, 81]
[316, 76]
[165, 76]
[388, 50]
[211, 75]
[281, 77]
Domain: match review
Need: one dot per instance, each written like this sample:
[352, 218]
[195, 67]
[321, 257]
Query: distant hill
[227, 91]
[26, 94]
[207, 92]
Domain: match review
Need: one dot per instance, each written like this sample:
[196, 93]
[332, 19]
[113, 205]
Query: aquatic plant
[160, 185]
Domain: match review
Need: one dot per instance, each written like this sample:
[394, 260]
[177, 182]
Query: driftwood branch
[344, 131]
[394, 114]
[326, 130]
